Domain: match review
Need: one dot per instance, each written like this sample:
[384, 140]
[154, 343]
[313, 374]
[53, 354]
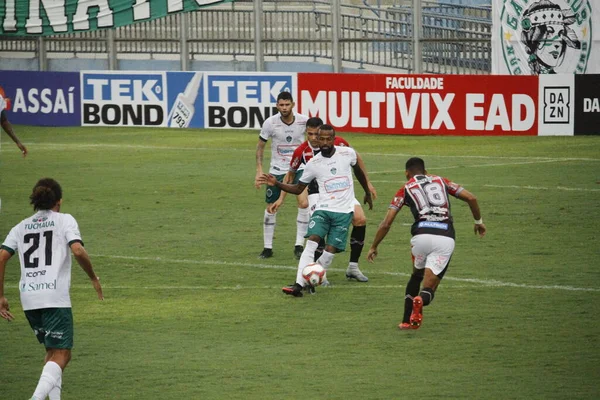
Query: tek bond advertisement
[164, 99]
[114, 98]
[243, 100]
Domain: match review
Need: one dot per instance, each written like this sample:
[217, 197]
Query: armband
[479, 221]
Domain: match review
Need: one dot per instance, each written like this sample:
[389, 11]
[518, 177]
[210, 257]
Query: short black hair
[45, 194]
[285, 96]
[415, 165]
[327, 127]
[314, 122]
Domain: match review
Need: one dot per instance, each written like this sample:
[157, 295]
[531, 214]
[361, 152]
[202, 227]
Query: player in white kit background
[44, 243]
[286, 132]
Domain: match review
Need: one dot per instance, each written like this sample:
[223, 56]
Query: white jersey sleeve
[71, 229]
[2, 103]
[266, 132]
[11, 242]
[309, 173]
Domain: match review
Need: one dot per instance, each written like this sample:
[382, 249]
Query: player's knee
[359, 220]
[61, 357]
[302, 203]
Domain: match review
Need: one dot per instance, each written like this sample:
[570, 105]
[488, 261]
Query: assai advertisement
[238, 100]
[422, 104]
[42, 99]
[112, 98]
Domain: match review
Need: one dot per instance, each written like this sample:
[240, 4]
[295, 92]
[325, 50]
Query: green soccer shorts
[332, 225]
[53, 327]
[273, 192]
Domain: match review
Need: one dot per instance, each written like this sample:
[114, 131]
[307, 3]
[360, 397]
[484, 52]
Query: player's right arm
[295, 163]
[4, 307]
[6, 125]
[382, 231]
[265, 133]
[83, 259]
[385, 225]
[260, 152]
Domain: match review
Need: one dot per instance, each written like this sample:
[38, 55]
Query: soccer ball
[314, 273]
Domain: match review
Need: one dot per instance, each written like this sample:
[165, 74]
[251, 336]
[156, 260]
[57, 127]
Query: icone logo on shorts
[131, 99]
[243, 101]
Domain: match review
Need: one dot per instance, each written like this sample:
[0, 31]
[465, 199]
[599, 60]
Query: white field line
[543, 188]
[483, 157]
[251, 148]
[398, 171]
[62, 146]
[481, 282]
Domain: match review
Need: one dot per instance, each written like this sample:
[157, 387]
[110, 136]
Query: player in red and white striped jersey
[432, 242]
[4, 105]
[302, 155]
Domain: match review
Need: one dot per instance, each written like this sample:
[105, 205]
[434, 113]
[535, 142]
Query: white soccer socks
[51, 377]
[301, 225]
[269, 229]
[56, 390]
[306, 258]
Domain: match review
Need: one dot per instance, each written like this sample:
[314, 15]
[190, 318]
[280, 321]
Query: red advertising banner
[422, 104]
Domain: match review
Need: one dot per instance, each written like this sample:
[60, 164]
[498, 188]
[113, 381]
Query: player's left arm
[83, 259]
[274, 207]
[471, 199]
[6, 125]
[4, 307]
[361, 175]
[361, 164]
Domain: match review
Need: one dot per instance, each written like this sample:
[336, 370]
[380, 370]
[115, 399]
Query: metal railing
[453, 38]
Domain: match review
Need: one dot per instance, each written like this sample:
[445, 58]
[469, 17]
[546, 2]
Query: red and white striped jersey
[427, 197]
[305, 152]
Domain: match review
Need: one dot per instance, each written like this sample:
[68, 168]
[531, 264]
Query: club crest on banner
[546, 36]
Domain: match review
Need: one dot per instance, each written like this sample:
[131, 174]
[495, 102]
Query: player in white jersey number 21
[44, 242]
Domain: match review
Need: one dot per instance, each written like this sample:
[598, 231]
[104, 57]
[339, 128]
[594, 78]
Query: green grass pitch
[174, 226]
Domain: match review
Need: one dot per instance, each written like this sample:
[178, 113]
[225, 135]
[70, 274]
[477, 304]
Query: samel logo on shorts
[546, 36]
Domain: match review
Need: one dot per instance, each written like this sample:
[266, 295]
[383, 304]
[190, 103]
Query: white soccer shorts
[312, 203]
[431, 251]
